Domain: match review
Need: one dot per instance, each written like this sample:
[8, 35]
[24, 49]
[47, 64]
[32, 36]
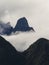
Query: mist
[23, 40]
[37, 14]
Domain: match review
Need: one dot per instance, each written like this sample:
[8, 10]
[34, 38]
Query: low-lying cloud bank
[23, 40]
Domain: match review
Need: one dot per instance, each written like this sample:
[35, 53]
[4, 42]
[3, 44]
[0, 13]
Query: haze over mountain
[36, 54]
[23, 40]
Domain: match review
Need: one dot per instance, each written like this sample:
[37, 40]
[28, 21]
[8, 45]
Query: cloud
[36, 11]
[12, 5]
[22, 41]
[11, 10]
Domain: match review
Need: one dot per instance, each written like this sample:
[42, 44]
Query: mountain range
[36, 54]
[22, 25]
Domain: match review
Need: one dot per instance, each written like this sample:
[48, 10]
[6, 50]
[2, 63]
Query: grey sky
[36, 11]
[37, 14]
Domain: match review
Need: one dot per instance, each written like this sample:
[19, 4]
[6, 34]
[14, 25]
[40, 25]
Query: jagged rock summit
[22, 25]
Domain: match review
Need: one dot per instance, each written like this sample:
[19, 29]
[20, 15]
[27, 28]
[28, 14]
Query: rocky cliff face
[22, 25]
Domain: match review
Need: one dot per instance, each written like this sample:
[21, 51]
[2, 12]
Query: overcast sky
[36, 12]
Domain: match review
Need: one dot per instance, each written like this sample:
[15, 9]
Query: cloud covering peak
[36, 11]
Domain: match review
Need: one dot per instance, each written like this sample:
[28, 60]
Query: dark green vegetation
[36, 54]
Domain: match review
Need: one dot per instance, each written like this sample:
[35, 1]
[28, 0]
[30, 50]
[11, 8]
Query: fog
[37, 14]
[22, 41]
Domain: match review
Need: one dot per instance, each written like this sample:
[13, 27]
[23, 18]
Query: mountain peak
[37, 53]
[22, 25]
